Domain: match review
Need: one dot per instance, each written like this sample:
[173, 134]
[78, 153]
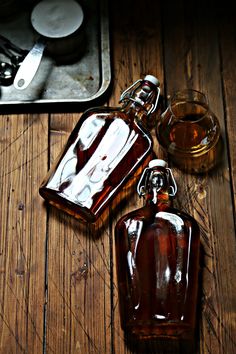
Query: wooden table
[58, 291]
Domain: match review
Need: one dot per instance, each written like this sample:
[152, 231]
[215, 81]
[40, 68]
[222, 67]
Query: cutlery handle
[29, 66]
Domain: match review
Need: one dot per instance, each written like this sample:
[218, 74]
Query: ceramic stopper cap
[152, 79]
[157, 163]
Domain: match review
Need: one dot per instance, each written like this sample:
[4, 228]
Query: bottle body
[157, 268]
[91, 168]
[157, 253]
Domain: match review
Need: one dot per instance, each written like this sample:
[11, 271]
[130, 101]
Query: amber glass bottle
[157, 253]
[105, 148]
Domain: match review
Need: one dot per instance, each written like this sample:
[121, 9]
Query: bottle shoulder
[137, 214]
[111, 113]
[181, 215]
[96, 121]
[105, 110]
[150, 217]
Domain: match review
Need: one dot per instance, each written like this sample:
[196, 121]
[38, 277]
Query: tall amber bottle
[157, 254]
[105, 148]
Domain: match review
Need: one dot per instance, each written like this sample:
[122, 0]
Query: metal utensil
[52, 19]
[11, 50]
[16, 56]
[7, 73]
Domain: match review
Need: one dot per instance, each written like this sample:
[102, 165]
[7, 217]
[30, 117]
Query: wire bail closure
[130, 91]
[146, 176]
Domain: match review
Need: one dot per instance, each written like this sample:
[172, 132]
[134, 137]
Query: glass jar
[189, 131]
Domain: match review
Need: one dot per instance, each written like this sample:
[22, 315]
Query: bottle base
[171, 332]
[73, 210]
[198, 163]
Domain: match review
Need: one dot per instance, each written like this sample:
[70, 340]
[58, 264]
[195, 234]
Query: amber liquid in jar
[190, 133]
[104, 149]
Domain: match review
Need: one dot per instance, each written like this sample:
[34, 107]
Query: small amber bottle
[157, 253]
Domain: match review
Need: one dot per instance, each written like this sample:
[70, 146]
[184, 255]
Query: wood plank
[192, 60]
[228, 54]
[78, 308]
[179, 43]
[23, 160]
[137, 50]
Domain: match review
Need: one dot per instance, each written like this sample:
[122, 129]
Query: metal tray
[80, 82]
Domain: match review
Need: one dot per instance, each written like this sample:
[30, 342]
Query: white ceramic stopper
[157, 163]
[152, 79]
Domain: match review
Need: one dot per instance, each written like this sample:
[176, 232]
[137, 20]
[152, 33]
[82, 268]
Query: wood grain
[137, 48]
[227, 33]
[197, 65]
[23, 233]
[58, 287]
[78, 273]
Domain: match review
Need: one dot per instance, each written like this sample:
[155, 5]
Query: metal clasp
[130, 91]
[141, 188]
[142, 184]
[172, 183]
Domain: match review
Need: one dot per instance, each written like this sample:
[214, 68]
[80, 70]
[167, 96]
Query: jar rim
[178, 97]
[189, 91]
[191, 121]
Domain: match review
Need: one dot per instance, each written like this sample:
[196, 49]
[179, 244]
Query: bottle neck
[138, 112]
[158, 189]
[141, 102]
